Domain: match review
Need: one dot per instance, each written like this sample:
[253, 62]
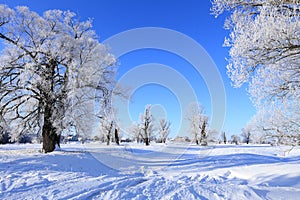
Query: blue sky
[190, 17]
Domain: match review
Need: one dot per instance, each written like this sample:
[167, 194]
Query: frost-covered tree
[147, 125]
[212, 135]
[246, 134]
[109, 128]
[223, 137]
[135, 131]
[49, 66]
[265, 52]
[274, 126]
[235, 139]
[198, 123]
[164, 128]
[107, 89]
[203, 132]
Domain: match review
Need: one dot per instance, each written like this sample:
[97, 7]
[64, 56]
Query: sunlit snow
[134, 171]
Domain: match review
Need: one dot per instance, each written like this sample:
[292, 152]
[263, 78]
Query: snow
[158, 171]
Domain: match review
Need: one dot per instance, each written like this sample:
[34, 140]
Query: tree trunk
[248, 138]
[109, 132]
[108, 139]
[203, 141]
[48, 132]
[117, 137]
[224, 138]
[147, 141]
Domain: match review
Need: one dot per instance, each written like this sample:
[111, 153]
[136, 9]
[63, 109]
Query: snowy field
[132, 171]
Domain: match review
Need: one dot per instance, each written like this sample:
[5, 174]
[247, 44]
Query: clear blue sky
[190, 17]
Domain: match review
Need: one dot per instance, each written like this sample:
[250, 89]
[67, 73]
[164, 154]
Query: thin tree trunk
[146, 139]
[203, 141]
[117, 137]
[109, 132]
[108, 138]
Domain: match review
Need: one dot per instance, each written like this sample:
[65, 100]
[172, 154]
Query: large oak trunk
[49, 134]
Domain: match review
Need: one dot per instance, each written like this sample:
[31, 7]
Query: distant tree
[212, 135]
[235, 139]
[223, 137]
[108, 127]
[146, 124]
[264, 52]
[198, 123]
[275, 128]
[47, 66]
[107, 113]
[96, 138]
[246, 134]
[203, 133]
[164, 130]
[135, 131]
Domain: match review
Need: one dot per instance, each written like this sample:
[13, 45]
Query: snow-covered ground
[133, 171]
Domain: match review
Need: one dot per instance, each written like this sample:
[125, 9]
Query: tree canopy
[264, 44]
